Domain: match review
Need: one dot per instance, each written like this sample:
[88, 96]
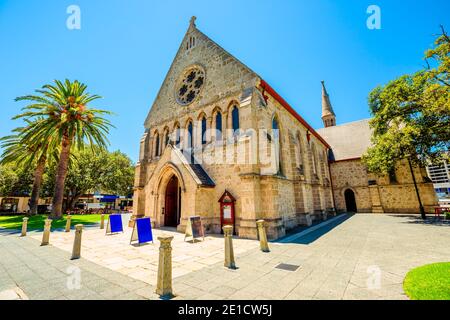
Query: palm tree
[66, 122]
[19, 152]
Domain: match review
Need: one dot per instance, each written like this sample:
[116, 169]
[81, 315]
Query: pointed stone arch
[202, 125]
[301, 151]
[276, 133]
[164, 177]
[156, 144]
[169, 168]
[233, 117]
[165, 138]
[350, 199]
[176, 134]
[216, 136]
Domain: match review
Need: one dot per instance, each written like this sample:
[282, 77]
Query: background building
[357, 190]
[440, 175]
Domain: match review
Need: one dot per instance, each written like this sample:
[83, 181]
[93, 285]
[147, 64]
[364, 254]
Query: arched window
[314, 158]
[166, 138]
[235, 119]
[299, 153]
[177, 136]
[277, 142]
[190, 135]
[203, 130]
[190, 43]
[218, 126]
[157, 145]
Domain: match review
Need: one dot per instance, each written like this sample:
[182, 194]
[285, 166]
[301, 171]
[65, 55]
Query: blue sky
[124, 49]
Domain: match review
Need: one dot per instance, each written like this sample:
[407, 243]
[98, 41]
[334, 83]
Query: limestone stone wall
[388, 194]
[225, 76]
[282, 198]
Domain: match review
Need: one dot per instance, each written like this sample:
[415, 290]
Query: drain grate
[287, 267]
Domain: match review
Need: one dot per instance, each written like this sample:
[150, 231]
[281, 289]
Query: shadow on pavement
[416, 219]
[318, 233]
[8, 232]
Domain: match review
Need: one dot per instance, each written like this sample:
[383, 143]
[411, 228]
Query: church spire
[328, 116]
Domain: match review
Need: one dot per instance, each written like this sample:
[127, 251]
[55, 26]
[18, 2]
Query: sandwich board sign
[114, 224]
[194, 228]
[142, 231]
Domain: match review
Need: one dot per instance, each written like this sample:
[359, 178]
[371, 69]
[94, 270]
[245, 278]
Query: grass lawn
[37, 222]
[430, 282]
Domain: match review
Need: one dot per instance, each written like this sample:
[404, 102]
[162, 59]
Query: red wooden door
[171, 203]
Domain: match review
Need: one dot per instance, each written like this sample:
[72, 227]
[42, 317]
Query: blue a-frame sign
[114, 224]
[142, 231]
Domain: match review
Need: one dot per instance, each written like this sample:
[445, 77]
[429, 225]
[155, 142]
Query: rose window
[190, 85]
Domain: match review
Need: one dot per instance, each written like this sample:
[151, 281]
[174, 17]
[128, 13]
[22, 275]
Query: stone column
[229, 253]
[24, 227]
[46, 234]
[262, 236]
[68, 222]
[102, 221]
[164, 281]
[76, 251]
[209, 129]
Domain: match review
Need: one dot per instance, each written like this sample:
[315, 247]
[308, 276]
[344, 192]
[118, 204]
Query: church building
[357, 190]
[222, 144]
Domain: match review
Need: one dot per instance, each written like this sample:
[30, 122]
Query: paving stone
[10, 294]
[336, 265]
[223, 291]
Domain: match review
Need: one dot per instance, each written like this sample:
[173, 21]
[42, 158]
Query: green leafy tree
[438, 59]
[18, 151]
[118, 179]
[411, 115]
[8, 179]
[90, 172]
[62, 118]
[15, 180]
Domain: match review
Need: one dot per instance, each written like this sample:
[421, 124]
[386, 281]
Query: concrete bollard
[68, 222]
[24, 227]
[164, 281]
[262, 236]
[76, 251]
[229, 253]
[102, 221]
[46, 234]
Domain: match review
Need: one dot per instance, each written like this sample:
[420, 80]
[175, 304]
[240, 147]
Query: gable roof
[192, 30]
[348, 141]
[182, 61]
[196, 170]
[202, 175]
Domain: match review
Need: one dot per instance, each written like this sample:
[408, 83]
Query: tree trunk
[421, 208]
[72, 201]
[37, 183]
[61, 173]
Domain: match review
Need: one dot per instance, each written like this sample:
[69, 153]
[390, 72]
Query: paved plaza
[353, 257]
